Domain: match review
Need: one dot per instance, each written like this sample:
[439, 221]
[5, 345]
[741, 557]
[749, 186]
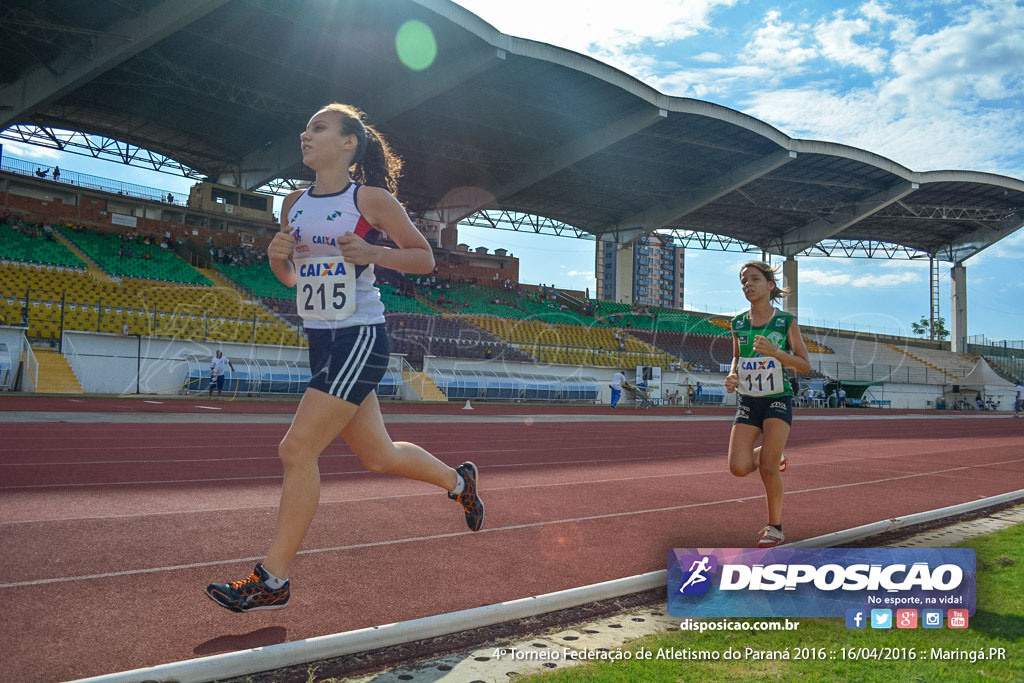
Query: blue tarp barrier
[457, 385]
[259, 377]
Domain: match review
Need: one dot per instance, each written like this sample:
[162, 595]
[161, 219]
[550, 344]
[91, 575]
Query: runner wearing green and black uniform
[763, 379]
[765, 342]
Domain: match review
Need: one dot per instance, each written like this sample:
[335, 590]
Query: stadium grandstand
[87, 261]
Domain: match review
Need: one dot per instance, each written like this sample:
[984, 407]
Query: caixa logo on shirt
[820, 582]
[322, 269]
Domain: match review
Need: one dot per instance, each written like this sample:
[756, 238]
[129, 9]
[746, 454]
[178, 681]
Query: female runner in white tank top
[327, 248]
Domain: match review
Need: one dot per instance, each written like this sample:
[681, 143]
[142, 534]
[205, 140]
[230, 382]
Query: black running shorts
[754, 410]
[348, 362]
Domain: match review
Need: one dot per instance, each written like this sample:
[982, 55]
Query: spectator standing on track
[765, 341]
[1018, 404]
[330, 259]
[218, 371]
[842, 397]
[618, 379]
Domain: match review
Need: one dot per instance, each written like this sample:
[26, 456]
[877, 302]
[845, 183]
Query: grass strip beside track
[997, 623]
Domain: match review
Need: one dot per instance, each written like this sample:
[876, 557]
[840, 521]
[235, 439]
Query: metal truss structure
[109, 149]
[706, 241]
[98, 147]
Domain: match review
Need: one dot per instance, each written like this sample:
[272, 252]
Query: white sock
[460, 485]
[273, 583]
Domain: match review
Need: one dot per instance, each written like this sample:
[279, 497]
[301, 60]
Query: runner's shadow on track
[243, 641]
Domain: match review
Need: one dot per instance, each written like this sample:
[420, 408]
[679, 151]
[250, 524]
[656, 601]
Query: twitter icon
[881, 618]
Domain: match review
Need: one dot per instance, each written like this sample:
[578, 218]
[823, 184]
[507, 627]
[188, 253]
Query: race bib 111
[760, 376]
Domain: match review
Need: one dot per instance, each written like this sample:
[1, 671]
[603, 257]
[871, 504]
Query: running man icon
[696, 570]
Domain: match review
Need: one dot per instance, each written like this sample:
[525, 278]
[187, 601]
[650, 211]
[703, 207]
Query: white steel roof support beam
[268, 163]
[982, 238]
[566, 155]
[798, 239]
[648, 221]
[80, 65]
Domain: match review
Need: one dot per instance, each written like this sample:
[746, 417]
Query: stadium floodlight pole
[63, 304]
[138, 362]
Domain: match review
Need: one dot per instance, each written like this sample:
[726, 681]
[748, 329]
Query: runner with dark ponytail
[374, 163]
[328, 247]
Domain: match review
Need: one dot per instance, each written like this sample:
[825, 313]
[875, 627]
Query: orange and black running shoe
[250, 594]
[470, 501]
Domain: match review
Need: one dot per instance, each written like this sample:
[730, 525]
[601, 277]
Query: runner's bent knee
[296, 452]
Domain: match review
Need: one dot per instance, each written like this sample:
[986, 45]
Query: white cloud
[904, 29]
[587, 275]
[976, 58]
[901, 264]
[821, 278]
[837, 40]
[941, 138]
[1011, 247]
[602, 29]
[24, 151]
[709, 58]
[887, 280]
[710, 83]
[837, 278]
[779, 45]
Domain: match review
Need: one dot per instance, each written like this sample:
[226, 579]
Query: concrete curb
[875, 528]
[339, 644]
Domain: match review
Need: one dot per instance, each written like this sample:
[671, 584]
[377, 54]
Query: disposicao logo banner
[816, 582]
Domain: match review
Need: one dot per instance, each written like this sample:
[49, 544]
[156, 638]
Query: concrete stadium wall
[918, 396]
[14, 337]
[670, 381]
[905, 396]
[113, 364]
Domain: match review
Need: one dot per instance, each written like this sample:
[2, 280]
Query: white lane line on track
[438, 453]
[842, 463]
[520, 444]
[511, 527]
[338, 474]
[672, 443]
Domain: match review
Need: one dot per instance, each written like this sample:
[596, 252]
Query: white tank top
[317, 222]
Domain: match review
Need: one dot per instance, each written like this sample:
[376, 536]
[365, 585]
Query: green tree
[924, 327]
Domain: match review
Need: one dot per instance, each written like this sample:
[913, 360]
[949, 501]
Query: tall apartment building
[648, 272]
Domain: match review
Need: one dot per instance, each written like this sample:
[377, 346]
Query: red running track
[111, 531]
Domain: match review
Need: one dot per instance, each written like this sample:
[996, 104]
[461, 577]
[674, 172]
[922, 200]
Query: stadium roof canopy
[225, 86]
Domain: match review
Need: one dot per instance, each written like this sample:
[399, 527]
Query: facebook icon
[856, 618]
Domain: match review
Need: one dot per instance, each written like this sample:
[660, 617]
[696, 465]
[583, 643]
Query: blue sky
[931, 85]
